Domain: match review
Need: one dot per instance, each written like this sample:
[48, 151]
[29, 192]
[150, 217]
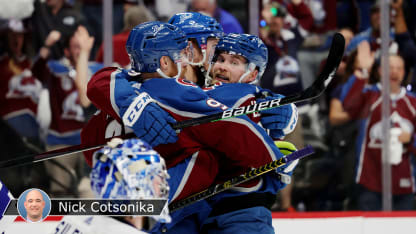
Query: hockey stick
[215, 189]
[29, 159]
[334, 58]
[335, 55]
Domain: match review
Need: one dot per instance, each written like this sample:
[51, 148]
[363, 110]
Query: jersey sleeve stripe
[186, 175]
[112, 88]
[242, 100]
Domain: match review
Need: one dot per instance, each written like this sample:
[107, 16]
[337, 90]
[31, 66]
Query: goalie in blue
[128, 169]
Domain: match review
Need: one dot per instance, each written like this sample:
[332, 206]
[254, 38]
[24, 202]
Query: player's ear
[252, 76]
[164, 63]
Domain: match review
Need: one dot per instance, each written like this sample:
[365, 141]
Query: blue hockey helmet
[198, 26]
[130, 169]
[249, 46]
[148, 42]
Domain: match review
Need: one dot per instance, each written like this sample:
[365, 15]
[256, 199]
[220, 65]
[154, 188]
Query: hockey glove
[280, 121]
[286, 171]
[149, 122]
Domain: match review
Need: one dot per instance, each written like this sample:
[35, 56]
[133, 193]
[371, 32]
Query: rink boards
[350, 222]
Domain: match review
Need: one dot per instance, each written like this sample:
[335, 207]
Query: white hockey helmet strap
[249, 68]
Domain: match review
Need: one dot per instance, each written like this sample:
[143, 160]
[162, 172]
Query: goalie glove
[149, 122]
[280, 121]
[286, 171]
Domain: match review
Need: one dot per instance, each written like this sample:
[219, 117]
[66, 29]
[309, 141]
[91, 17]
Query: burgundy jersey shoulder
[103, 73]
[98, 90]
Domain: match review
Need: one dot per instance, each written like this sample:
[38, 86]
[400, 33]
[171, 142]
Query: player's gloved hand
[149, 122]
[281, 120]
[286, 171]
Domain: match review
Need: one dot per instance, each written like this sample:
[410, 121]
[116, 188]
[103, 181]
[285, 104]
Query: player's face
[189, 73]
[172, 69]
[211, 43]
[229, 68]
[194, 52]
[34, 205]
[190, 56]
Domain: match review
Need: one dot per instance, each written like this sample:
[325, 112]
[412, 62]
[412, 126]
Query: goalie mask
[130, 169]
[148, 42]
[248, 46]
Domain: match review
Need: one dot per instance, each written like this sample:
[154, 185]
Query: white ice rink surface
[345, 223]
[355, 225]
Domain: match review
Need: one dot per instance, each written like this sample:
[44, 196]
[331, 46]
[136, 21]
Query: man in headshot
[34, 205]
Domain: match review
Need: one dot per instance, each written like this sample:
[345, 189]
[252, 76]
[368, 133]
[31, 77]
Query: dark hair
[277, 9]
[350, 66]
[374, 77]
[66, 38]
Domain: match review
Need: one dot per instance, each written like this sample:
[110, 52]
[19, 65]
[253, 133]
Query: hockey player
[248, 56]
[242, 58]
[155, 47]
[203, 33]
[251, 54]
[123, 170]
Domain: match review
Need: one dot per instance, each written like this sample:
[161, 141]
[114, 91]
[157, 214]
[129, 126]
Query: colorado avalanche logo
[376, 133]
[287, 71]
[71, 108]
[24, 86]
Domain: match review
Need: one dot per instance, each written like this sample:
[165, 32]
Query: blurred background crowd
[49, 49]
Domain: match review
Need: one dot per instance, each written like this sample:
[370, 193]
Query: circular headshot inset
[34, 205]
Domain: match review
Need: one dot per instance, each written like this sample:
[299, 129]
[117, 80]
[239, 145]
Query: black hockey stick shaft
[29, 159]
[334, 58]
[215, 189]
[335, 55]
